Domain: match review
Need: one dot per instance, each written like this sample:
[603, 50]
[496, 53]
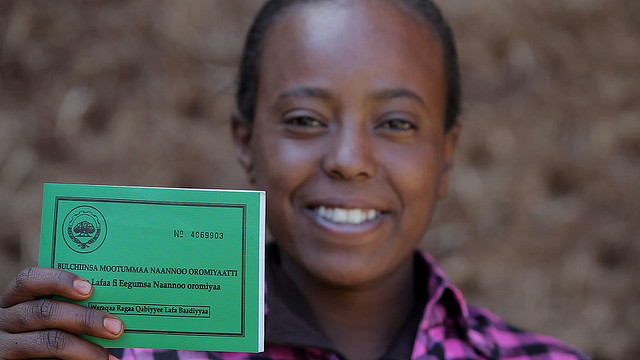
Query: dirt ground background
[542, 224]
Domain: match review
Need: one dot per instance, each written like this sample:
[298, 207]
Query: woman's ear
[241, 130]
[450, 143]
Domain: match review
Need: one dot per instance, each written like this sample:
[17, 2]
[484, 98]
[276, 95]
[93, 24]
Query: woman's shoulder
[506, 341]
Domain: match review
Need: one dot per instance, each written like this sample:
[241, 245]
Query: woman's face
[348, 138]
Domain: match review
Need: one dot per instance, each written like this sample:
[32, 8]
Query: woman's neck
[361, 322]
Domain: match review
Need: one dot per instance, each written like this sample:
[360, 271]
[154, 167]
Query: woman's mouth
[346, 216]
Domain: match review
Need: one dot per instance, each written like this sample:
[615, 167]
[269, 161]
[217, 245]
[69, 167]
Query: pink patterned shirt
[448, 328]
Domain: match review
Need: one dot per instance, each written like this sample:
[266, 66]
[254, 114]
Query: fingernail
[111, 357]
[82, 287]
[112, 325]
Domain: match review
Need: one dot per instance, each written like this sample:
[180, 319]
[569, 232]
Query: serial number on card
[198, 234]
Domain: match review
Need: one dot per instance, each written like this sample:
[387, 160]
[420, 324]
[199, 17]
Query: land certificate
[183, 268]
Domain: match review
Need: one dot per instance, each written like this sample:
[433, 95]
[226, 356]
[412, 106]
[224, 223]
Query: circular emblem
[85, 229]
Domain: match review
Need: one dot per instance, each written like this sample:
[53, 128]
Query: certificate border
[179, 203]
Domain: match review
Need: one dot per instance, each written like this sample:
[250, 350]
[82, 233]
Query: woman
[347, 118]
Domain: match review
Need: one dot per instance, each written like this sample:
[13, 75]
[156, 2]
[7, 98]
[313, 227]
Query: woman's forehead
[364, 41]
[333, 18]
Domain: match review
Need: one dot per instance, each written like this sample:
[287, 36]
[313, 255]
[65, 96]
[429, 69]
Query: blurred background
[542, 224]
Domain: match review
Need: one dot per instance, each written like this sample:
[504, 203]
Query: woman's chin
[345, 270]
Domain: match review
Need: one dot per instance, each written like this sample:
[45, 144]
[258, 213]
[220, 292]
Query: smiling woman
[347, 118]
[355, 111]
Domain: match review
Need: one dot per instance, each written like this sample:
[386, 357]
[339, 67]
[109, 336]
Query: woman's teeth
[346, 216]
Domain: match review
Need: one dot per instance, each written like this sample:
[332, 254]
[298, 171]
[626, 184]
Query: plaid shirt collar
[447, 306]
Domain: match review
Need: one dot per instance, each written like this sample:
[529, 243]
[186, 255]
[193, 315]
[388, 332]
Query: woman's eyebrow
[305, 91]
[389, 94]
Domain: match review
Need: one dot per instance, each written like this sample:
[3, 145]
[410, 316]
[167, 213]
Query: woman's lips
[347, 215]
[354, 223]
[339, 215]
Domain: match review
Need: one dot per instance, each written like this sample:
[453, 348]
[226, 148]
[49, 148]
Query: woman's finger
[34, 282]
[51, 314]
[56, 344]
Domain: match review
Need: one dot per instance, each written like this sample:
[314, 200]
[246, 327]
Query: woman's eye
[398, 124]
[303, 121]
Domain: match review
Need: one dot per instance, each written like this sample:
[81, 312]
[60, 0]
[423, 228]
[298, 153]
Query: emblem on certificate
[86, 229]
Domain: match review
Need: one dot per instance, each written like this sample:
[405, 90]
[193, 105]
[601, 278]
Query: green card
[183, 268]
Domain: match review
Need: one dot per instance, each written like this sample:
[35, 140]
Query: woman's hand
[34, 327]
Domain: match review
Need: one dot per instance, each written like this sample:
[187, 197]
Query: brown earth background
[542, 224]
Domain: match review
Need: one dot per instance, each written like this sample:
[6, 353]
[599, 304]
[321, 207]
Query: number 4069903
[207, 235]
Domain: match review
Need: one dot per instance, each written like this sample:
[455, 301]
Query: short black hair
[273, 9]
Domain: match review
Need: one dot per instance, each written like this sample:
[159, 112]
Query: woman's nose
[349, 154]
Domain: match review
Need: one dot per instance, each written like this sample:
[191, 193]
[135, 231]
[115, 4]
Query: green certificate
[183, 268]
